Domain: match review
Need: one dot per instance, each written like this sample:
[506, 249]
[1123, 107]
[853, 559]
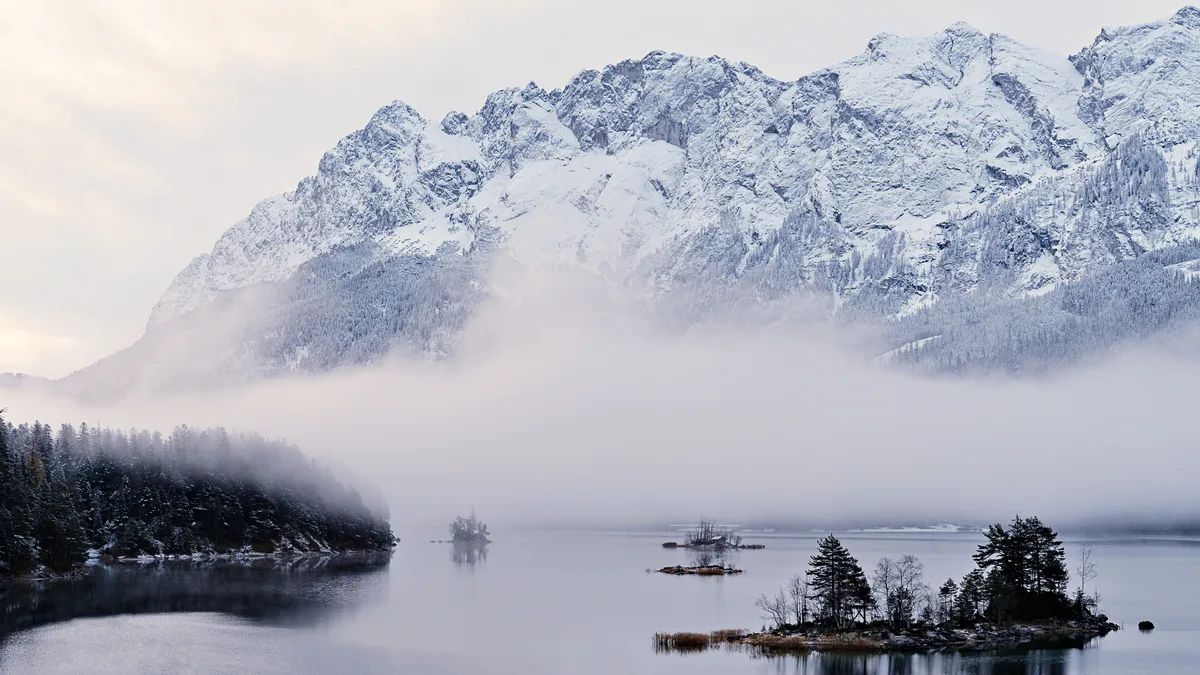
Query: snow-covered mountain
[960, 164]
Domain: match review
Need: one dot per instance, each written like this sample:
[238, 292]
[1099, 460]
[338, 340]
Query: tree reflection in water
[468, 554]
[994, 662]
[301, 590]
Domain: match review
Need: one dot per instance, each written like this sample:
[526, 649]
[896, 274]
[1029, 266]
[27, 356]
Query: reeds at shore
[764, 642]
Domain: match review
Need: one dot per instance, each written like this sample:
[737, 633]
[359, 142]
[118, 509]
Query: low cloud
[565, 406]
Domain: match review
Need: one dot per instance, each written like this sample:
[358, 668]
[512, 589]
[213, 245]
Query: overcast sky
[133, 133]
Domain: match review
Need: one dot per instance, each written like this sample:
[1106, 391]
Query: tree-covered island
[1017, 594]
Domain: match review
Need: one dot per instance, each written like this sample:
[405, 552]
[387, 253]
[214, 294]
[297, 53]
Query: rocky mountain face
[957, 165]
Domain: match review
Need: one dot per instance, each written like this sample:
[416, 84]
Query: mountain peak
[707, 171]
[963, 28]
[1188, 15]
[393, 116]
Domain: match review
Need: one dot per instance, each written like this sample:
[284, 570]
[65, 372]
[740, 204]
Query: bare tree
[776, 609]
[900, 588]
[1086, 568]
[911, 573]
[708, 533]
[884, 582]
[799, 594]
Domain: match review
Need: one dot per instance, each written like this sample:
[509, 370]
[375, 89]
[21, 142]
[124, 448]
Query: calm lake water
[541, 603]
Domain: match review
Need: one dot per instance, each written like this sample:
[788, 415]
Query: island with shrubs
[708, 535]
[710, 545]
[1016, 595]
[468, 531]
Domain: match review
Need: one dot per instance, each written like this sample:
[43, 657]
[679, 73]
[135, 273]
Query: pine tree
[947, 595]
[971, 596]
[8, 489]
[839, 584]
[1026, 571]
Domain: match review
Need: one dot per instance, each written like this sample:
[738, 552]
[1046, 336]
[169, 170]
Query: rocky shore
[701, 570]
[917, 639]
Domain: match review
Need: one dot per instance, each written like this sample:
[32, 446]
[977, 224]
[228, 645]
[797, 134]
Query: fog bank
[564, 406]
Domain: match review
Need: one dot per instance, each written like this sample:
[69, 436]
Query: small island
[710, 545]
[1016, 595]
[469, 531]
[700, 570]
[707, 534]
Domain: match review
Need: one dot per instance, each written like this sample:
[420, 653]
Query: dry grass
[782, 643]
[682, 642]
[710, 572]
[846, 642]
[728, 635]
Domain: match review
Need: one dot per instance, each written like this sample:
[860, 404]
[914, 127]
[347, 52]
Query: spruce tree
[971, 596]
[1026, 571]
[839, 584]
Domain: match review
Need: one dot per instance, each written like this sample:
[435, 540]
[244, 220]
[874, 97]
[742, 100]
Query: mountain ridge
[957, 164]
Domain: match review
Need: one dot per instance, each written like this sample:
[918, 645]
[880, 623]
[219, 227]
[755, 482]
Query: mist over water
[565, 405]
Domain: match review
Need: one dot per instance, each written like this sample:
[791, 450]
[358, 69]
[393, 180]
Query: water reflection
[1054, 661]
[705, 557]
[299, 590]
[468, 554]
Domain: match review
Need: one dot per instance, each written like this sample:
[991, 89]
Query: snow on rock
[922, 168]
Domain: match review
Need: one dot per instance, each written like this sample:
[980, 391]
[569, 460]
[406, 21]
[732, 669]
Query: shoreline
[46, 575]
[879, 640]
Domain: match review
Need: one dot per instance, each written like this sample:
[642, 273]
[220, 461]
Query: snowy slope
[920, 169]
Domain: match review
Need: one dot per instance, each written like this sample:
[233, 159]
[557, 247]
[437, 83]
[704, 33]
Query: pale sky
[133, 133]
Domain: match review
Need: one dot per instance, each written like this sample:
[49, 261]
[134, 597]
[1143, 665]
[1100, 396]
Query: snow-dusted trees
[1130, 301]
[136, 493]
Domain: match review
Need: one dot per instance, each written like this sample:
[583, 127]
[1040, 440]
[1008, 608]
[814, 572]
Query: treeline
[1126, 303]
[130, 494]
[1020, 575]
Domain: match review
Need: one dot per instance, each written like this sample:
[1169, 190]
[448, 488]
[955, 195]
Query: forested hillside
[1122, 305]
[138, 493]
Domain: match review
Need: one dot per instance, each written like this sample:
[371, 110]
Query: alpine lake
[545, 602]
